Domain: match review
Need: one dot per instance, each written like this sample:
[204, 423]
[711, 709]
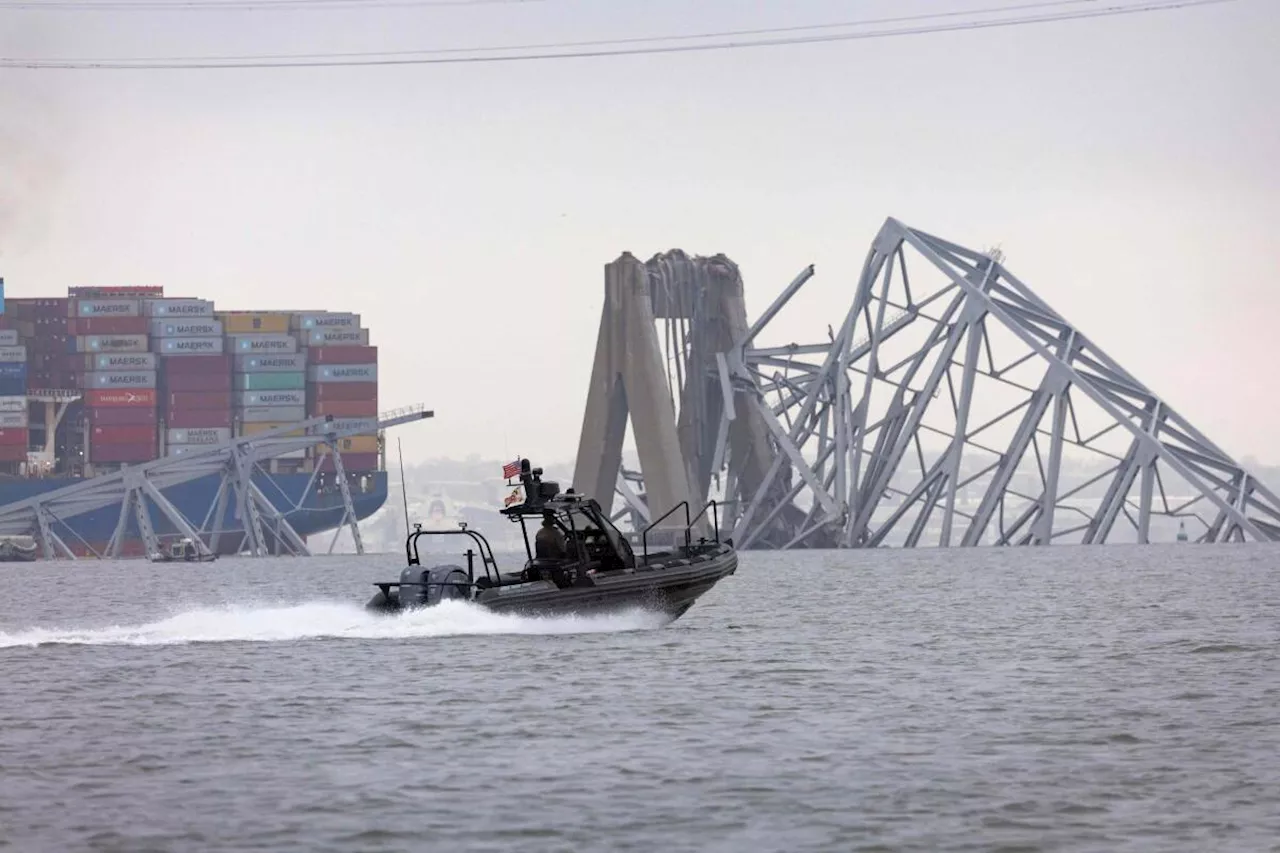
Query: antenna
[404, 491]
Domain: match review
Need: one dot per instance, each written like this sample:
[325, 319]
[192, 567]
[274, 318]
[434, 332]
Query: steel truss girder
[845, 424]
[136, 488]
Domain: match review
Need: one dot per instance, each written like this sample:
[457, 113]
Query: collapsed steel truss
[138, 489]
[951, 405]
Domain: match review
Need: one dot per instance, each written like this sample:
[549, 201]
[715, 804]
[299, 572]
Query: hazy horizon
[1126, 166]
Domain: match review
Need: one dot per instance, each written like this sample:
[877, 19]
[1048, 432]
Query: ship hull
[309, 509]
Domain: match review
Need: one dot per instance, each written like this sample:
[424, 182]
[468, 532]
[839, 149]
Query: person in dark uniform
[549, 543]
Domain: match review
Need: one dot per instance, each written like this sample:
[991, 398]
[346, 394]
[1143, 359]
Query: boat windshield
[586, 524]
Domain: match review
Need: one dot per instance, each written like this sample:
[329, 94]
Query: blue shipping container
[13, 370]
[13, 387]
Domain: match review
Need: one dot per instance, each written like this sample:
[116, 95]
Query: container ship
[104, 378]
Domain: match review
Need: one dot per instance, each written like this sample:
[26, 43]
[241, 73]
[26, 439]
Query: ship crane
[56, 403]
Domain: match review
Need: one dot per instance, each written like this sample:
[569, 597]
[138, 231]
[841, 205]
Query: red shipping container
[197, 382]
[107, 326]
[342, 355]
[14, 438]
[112, 397]
[136, 434]
[345, 391]
[353, 463]
[184, 400]
[345, 408]
[122, 416]
[198, 419]
[13, 452]
[122, 452]
[187, 365]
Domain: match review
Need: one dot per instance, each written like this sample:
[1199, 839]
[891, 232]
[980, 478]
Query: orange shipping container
[353, 444]
[253, 323]
[254, 429]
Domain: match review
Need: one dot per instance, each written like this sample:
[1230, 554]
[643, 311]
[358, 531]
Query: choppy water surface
[1061, 699]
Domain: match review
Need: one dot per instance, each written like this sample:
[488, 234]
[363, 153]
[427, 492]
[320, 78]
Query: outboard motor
[438, 583]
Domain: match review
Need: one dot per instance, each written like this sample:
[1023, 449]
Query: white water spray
[267, 624]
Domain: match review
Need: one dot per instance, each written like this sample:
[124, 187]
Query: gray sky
[1129, 167]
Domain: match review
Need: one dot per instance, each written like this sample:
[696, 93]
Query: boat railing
[715, 520]
[485, 550]
[644, 535]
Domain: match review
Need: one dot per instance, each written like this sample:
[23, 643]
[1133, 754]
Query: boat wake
[321, 620]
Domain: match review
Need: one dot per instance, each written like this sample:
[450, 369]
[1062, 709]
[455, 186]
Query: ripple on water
[977, 699]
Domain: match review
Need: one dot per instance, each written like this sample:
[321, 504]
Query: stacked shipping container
[108, 358]
[195, 374]
[13, 398]
[42, 323]
[342, 381]
[163, 375]
[266, 392]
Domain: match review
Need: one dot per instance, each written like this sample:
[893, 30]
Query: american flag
[511, 469]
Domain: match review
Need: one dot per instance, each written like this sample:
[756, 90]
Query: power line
[237, 5]
[554, 53]
[565, 45]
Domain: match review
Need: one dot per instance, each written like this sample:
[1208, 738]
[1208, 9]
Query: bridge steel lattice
[950, 405]
[139, 492]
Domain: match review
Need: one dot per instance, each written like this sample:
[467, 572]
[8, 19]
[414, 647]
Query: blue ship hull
[310, 510]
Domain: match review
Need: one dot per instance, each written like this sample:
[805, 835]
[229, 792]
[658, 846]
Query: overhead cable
[562, 51]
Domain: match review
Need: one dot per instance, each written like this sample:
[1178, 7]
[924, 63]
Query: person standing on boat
[549, 543]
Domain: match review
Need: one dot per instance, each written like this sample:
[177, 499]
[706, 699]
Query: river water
[1110, 699]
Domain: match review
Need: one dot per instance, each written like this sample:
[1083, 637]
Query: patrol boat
[595, 569]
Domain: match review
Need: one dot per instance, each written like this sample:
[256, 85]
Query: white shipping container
[14, 353]
[272, 414]
[253, 399]
[13, 420]
[13, 404]
[108, 308]
[203, 436]
[197, 328]
[111, 343]
[325, 320]
[343, 373]
[338, 337]
[263, 344]
[121, 379]
[187, 346]
[9, 337]
[125, 361]
[177, 308]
